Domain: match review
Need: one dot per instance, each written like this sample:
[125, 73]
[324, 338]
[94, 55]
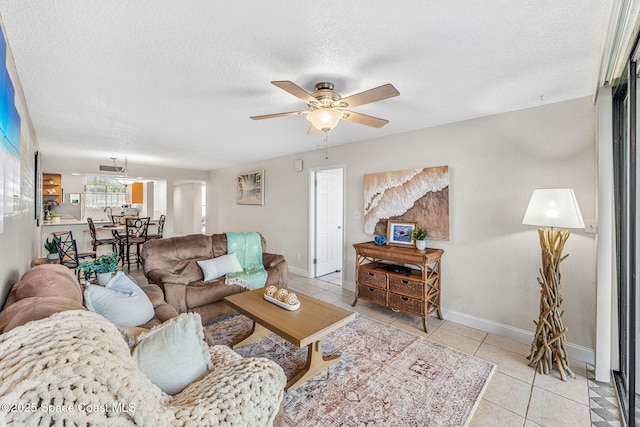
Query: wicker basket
[403, 303]
[406, 287]
[373, 278]
[372, 294]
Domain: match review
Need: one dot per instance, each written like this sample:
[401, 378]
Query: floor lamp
[554, 210]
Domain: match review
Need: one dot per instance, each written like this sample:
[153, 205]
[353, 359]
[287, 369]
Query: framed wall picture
[412, 195]
[399, 233]
[251, 188]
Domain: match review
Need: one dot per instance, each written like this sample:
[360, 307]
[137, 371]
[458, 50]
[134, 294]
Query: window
[103, 191]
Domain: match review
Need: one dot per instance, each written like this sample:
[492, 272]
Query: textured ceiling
[173, 83]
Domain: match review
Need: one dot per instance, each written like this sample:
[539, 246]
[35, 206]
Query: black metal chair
[158, 234]
[68, 250]
[95, 241]
[135, 234]
[115, 219]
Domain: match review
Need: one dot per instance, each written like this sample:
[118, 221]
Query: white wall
[491, 263]
[20, 240]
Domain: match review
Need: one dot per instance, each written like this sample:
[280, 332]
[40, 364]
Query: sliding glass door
[625, 190]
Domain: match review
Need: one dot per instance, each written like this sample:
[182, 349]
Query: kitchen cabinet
[135, 193]
[51, 188]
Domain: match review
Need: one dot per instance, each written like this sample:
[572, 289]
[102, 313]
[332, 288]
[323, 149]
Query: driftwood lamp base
[549, 343]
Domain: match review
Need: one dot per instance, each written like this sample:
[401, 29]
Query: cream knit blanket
[74, 368]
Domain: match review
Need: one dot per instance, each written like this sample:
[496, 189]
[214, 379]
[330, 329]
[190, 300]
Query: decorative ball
[292, 299]
[282, 295]
[270, 291]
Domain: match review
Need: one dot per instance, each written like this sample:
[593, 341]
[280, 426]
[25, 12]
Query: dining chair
[115, 219]
[135, 234]
[68, 250]
[95, 241]
[158, 234]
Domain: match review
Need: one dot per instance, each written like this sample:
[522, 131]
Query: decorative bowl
[380, 240]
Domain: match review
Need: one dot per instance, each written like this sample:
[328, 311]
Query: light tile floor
[516, 394]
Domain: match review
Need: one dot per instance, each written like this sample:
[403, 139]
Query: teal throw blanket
[248, 250]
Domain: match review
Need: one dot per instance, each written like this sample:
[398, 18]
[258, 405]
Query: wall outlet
[591, 227]
[298, 257]
[356, 215]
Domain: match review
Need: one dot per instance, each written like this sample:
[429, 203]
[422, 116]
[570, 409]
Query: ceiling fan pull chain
[326, 145]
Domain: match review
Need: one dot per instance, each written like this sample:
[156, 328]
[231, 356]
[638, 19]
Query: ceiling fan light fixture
[324, 119]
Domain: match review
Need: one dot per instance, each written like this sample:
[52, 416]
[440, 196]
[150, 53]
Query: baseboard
[298, 271]
[349, 286]
[576, 352]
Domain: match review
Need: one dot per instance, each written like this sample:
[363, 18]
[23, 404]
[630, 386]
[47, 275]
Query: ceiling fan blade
[295, 90]
[372, 95]
[312, 130]
[363, 119]
[273, 116]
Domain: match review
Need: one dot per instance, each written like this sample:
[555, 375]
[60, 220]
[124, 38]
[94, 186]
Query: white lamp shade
[553, 207]
[324, 119]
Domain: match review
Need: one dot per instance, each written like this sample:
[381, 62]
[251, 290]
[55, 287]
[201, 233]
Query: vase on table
[421, 245]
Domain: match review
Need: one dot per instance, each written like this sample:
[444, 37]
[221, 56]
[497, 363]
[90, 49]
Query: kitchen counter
[73, 221]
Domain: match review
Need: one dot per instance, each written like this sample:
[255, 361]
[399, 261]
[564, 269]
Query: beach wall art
[412, 195]
[10, 144]
[251, 188]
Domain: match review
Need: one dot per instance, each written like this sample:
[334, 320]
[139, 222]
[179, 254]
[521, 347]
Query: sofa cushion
[121, 301]
[177, 255]
[201, 293]
[173, 354]
[215, 268]
[34, 308]
[49, 280]
[271, 260]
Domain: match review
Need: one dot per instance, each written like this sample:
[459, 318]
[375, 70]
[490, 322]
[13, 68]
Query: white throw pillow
[173, 354]
[121, 301]
[219, 266]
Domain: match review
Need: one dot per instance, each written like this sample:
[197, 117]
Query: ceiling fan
[327, 107]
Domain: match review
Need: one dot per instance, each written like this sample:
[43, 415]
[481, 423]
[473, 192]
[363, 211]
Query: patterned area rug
[385, 377]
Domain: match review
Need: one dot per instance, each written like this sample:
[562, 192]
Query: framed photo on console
[399, 233]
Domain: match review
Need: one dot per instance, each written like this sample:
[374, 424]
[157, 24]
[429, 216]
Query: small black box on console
[398, 269]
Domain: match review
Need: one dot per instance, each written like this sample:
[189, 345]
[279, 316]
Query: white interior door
[329, 196]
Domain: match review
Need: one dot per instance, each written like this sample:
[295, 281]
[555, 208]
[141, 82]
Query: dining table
[103, 229]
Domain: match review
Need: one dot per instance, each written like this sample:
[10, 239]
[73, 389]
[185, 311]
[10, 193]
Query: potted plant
[104, 266]
[55, 218]
[420, 236]
[51, 247]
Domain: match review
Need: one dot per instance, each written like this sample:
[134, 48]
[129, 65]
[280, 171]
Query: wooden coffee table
[303, 327]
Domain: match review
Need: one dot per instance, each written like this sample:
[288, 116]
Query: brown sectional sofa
[171, 264]
[54, 351]
[42, 291]
[50, 288]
